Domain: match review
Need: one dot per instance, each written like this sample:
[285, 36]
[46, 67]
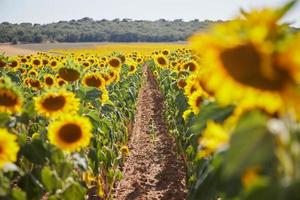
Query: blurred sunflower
[195, 101]
[70, 133]
[8, 147]
[93, 80]
[161, 61]
[60, 81]
[49, 80]
[33, 72]
[132, 69]
[36, 62]
[115, 63]
[10, 100]
[56, 103]
[2, 63]
[35, 84]
[124, 150]
[104, 96]
[214, 138]
[53, 63]
[14, 63]
[69, 74]
[242, 57]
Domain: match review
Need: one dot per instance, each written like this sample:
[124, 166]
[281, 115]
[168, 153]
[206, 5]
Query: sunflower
[49, 80]
[10, 100]
[242, 60]
[132, 69]
[35, 84]
[69, 74]
[161, 61]
[195, 101]
[104, 96]
[165, 52]
[33, 72]
[23, 60]
[114, 62]
[192, 66]
[53, 63]
[181, 83]
[214, 138]
[93, 80]
[56, 103]
[2, 63]
[122, 58]
[36, 62]
[124, 150]
[60, 81]
[8, 147]
[70, 133]
[14, 63]
[114, 76]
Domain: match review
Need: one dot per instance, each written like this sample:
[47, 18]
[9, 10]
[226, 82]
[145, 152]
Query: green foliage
[89, 30]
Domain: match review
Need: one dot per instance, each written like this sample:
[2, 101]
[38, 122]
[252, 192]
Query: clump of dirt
[152, 170]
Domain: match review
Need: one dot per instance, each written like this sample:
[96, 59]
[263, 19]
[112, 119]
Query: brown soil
[11, 50]
[152, 170]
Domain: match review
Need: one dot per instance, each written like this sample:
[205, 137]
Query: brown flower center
[8, 98]
[69, 74]
[114, 63]
[93, 81]
[244, 64]
[54, 103]
[70, 133]
[36, 62]
[14, 63]
[132, 68]
[161, 61]
[198, 101]
[2, 63]
[49, 81]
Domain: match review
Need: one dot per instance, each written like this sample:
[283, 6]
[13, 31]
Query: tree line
[89, 30]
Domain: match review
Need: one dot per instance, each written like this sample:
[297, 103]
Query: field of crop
[217, 118]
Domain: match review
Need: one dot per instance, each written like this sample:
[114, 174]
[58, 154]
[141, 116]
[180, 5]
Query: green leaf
[49, 179]
[4, 119]
[35, 152]
[74, 192]
[31, 186]
[18, 194]
[251, 144]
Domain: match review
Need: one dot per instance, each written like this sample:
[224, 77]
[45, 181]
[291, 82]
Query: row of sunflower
[233, 106]
[64, 122]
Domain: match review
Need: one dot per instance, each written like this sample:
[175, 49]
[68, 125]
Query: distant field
[22, 49]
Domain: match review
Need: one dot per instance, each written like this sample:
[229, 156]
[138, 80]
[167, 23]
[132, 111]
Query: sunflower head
[56, 103]
[124, 150]
[49, 80]
[93, 80]
[36, 62]
[242, 60]
[2, 63]
[161, 61]
[195, 101]
[10, 99]
[69, 74]
[8, 147]
[115, 63]
[70, 133]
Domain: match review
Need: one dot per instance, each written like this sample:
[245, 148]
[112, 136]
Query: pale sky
[46, 11]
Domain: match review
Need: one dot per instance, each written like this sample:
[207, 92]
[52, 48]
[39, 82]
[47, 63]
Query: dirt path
[11, 50]
[152, 171]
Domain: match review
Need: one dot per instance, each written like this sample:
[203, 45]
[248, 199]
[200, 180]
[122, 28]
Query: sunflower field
[65, 122]
[232, 101]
